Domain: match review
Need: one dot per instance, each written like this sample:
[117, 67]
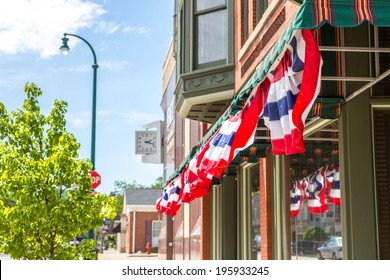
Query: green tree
[315, 233]
[118, 202]
[48, 184]
[158, 184]
[123, 185]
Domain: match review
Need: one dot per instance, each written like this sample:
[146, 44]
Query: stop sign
[96, 179]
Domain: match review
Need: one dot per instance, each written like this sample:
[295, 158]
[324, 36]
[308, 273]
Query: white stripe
[216, 153]
[334, 193]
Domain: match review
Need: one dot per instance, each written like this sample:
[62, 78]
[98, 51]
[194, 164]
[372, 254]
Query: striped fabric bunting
[294, 88]
[315, 193]
[296, 198]
[284, 101]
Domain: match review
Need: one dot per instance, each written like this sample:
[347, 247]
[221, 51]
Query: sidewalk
[112, 254]
[4, 256]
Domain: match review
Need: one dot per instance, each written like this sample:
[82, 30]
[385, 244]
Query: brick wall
[140, 227]
[265, 208]
[248, 54]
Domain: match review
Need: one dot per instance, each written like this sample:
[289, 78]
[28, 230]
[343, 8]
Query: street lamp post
[65, 48]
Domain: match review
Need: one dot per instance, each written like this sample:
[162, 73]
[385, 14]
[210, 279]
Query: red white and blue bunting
[283, 98]
[318, 189]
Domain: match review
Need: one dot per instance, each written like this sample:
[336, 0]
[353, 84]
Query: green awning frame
[311, 15]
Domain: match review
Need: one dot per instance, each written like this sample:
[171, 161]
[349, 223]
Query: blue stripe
[177, 190]
[291, 99]
[295, 199]
[221, 140]
[276, 110]
[336, 185]
[265, 110]
[272, 111]
[297, 63]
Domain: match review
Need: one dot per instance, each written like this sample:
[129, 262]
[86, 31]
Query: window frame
[187, 41]
[195, 17]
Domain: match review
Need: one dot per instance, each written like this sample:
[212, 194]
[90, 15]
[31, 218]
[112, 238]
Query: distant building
[140, 222]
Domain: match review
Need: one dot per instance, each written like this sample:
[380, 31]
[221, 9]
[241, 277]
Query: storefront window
[315, 198]
[255, 205]
[248, 213]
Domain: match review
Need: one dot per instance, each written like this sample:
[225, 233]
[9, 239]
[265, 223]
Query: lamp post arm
[89, 45]
[95, 67]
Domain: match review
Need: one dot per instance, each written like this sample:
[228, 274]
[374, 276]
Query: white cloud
[136, 30]
[80, 68]
[110, 65]
[113, 27]
[15, 81]
[38, 25]
[79, 120]
[107, 27]
[113, 65]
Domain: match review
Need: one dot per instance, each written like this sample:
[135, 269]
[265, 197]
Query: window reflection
[315, 195]
[255, 206]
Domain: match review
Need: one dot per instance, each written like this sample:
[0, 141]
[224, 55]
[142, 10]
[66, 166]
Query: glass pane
[157, 225]
[315, 198]
[207, 4]
[212, 44]
[255, 206]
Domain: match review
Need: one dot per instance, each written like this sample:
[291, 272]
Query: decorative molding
[207, 81]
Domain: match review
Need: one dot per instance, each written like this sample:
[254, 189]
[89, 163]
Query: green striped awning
[343, 13]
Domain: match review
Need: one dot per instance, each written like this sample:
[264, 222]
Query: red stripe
[250, 118]
[363, 10]
[359, 11]
[367, 10]
[289, 145]
[311, 72]
[323, 10]
[320, 11]
[282, 67]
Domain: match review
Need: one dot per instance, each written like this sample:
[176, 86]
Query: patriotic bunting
[295, 86]
[333, 180]
[234, 135]
[315, 193]
[296, 198]
[318, 189]
[284, 100]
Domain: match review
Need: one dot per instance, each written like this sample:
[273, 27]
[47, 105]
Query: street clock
[146, 142]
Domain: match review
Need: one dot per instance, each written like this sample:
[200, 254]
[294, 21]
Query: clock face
[146, 142]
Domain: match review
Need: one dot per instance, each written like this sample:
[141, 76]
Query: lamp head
[65, 48]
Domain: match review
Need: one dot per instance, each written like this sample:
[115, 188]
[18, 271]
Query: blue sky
[130, 39]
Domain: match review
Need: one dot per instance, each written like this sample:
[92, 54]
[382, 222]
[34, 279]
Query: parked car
[332, 249]
[257, 242]
[305, 247]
